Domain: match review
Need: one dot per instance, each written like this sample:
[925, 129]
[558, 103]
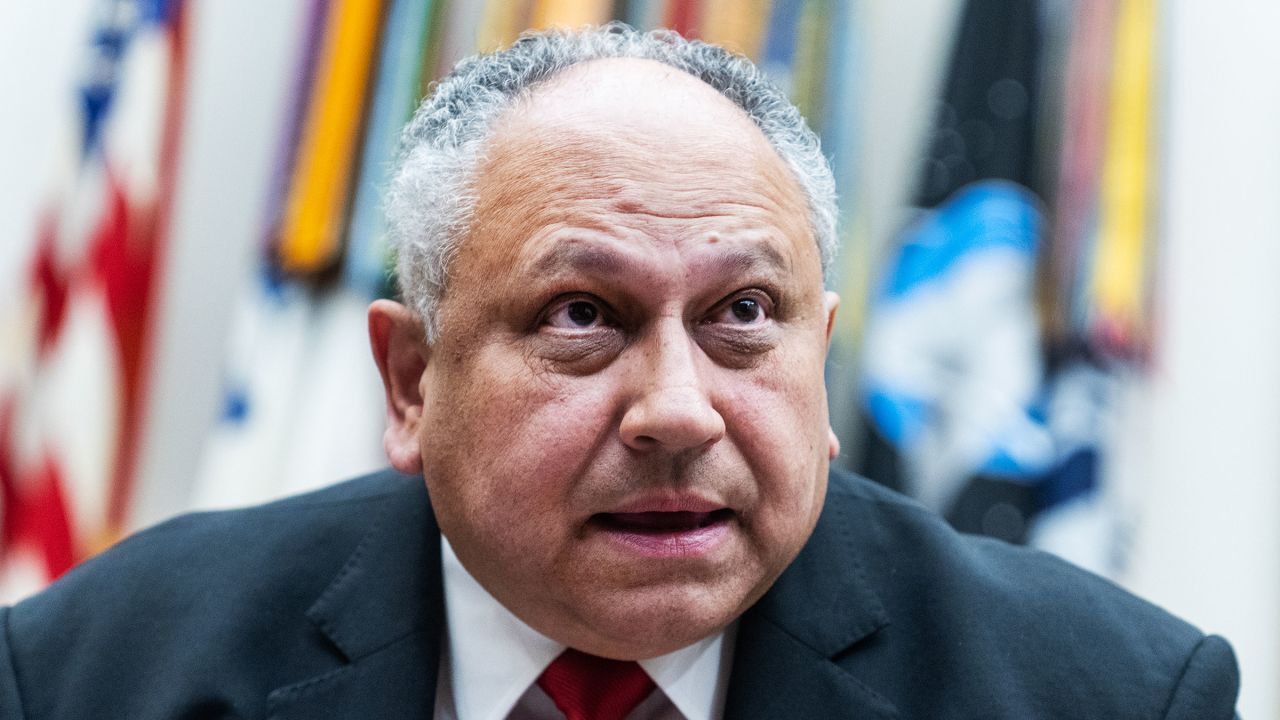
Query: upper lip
[668, 503]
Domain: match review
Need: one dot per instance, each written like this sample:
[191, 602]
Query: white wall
[242, 56]
[1208, 544]
[908, 43]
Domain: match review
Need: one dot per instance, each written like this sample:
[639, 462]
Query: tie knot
[588, 687]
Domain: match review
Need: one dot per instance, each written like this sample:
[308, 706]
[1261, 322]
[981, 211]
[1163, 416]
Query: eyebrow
[600, 258]
[586, 256]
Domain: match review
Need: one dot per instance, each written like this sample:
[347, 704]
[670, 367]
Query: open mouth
[661, 523]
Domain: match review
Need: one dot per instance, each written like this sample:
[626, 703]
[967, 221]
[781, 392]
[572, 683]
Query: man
[606, 407]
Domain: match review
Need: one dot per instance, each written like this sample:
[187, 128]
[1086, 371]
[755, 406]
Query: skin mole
[628, 206]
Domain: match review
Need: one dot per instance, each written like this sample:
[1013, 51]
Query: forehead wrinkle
[597, 204]
[574, 178]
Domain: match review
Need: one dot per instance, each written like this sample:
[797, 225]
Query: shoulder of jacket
[213, 594]
[194, 560]
[1007, 615]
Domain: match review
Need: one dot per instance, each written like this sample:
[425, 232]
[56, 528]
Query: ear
[831, 302]
[401, 351]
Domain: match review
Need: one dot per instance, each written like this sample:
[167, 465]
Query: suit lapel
[382, 616]
[821, 607]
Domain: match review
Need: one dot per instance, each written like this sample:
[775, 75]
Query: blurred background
[1060, 324]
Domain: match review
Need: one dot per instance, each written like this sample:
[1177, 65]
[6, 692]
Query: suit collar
[382, 615]
[821, 607]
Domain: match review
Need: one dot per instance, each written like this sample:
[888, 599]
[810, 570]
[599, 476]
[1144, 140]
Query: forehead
[640, 153]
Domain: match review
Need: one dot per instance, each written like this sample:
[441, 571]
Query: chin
[655, 621]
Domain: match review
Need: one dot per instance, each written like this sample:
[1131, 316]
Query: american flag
[73, 385]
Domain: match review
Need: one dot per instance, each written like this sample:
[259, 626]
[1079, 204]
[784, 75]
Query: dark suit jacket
[329, 605]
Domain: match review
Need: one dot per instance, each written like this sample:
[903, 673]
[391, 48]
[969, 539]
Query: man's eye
[575, 315]
[745, 310]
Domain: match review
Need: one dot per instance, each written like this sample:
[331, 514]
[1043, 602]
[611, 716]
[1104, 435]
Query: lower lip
[696, 542]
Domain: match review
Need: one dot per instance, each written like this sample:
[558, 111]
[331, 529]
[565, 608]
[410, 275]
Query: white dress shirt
[491, 660]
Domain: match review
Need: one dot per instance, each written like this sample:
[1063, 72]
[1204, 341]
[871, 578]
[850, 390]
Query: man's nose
[672, 409]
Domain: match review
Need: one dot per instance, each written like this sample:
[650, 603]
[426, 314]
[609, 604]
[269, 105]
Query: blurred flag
[738, 25]
[569, 13]
[952, 359]
[1000, 426]
[501, 23]
[1101, 336]
[809, 66]
[1084, 111]
[395, 96]
[301, 402]
[1116, 314]
[460, 23]
[777, 60]
[682, 16]
[952, 352]
[71, 398]
[641, 14]
[310, 39]
[315, 214]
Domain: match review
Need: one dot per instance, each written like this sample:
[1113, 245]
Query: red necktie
[587, 687]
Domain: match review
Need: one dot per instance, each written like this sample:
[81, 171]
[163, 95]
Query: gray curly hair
[430, 198]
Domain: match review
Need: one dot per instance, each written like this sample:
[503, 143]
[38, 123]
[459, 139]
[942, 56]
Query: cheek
[778, 420]
[504, 436]
[778, 430]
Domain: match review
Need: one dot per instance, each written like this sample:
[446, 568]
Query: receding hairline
[584, 84]
[540, 132]
[587, 76]
[429, 206]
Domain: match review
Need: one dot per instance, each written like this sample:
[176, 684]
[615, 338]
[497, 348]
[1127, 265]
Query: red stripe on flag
[123, 260]
[38, 517]
[682, 16]
[8, 478]
[49, 283]
[131, 245]
[45, 520]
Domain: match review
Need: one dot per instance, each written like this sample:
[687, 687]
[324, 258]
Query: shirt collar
[495, 656]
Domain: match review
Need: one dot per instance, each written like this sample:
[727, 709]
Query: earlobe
[833, 445]
[401, 352]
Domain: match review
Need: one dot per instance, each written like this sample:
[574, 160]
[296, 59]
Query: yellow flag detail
[569, 13]
[1120, 261]
[315, 213]
[738, 25]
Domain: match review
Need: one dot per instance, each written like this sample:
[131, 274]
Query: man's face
[623, 425]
